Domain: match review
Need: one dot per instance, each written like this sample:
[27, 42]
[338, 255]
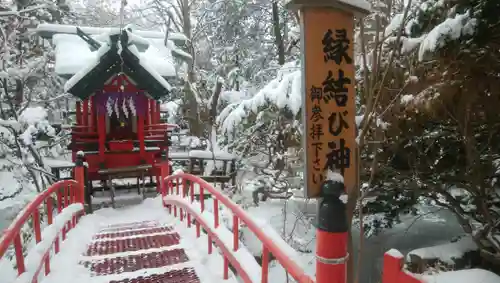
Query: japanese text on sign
[329, 96]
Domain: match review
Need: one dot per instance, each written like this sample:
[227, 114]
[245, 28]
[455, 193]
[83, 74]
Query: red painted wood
[145, 257]
[80, 179]
[18, 247]
[50, 215]
[152, 111]
[145, 231]
[101, 128]
[121, 145]
[265, 264]
[140, 135]
[393, 271]
[116, 160]
[128, 226]
[236, 233]
[158, 112]
[36, 226]
[147, 118]
[331, 245]
[12, 236]
[134, 244]
[216, 213]
[282, 257]
[185, 275]
[93, 115]
[78, 108]
[164, 166]
[225, 276]
[136, 262]
[85, 113]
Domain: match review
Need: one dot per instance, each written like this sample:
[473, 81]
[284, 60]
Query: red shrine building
[118, 78]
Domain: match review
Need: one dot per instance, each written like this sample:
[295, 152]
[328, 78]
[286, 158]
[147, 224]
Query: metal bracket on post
[333, 261]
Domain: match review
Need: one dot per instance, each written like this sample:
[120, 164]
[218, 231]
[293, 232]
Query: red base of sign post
[331, 235]
[331, 246]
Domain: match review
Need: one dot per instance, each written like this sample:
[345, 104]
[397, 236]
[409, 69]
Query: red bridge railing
[176, 197]
[393, 271]
[69, 205]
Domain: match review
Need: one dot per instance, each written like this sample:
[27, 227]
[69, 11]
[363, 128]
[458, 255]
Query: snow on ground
[463, 276]
[447, 252]
[66, 267]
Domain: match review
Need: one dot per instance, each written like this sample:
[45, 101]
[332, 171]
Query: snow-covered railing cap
[359, 8]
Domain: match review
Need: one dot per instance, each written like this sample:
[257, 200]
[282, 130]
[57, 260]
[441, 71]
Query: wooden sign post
[327, 28]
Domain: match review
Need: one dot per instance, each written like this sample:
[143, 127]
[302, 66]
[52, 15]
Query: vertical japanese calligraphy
[329, 102]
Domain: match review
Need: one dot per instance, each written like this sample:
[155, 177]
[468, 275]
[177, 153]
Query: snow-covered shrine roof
[91, 59]
[73, 54]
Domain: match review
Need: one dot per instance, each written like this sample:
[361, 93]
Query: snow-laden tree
[29, 88]
[235, 45]
[442, 117]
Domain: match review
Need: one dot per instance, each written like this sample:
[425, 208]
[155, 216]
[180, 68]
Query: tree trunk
[214, 102]
[278, 38]
[192, 112]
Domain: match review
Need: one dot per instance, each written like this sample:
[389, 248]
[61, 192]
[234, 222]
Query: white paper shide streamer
[109, 106]
[132, 106]
[124, 108]
[117, 109]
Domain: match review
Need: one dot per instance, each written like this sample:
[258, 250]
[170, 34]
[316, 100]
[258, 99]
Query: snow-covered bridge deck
[136, 244]
[159, 240]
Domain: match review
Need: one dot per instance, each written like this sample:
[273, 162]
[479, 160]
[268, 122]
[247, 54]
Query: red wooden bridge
[157, 248]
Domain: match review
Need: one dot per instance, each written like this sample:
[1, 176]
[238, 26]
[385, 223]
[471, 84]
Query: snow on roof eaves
[90, 65]
[69, 45]
[145, 64]
[47, 30]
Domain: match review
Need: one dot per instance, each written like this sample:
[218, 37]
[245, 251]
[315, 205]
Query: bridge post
[164, 173]
[331, 235]
[80, 176]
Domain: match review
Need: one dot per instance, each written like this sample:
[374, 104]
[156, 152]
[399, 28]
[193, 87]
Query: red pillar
[78, 113]
[158, 112]
[164, 168]
[331, 235]
[80, 178]
[101, 128]
[152, 108]
[140, 133]
[148, 112]
[92, 114]
[85, 119]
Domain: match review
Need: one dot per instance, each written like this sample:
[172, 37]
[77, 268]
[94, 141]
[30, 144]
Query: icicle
[109, 106]
[132, 106]
[124, 107]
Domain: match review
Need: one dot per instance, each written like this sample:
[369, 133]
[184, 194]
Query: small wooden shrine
[118, 89]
